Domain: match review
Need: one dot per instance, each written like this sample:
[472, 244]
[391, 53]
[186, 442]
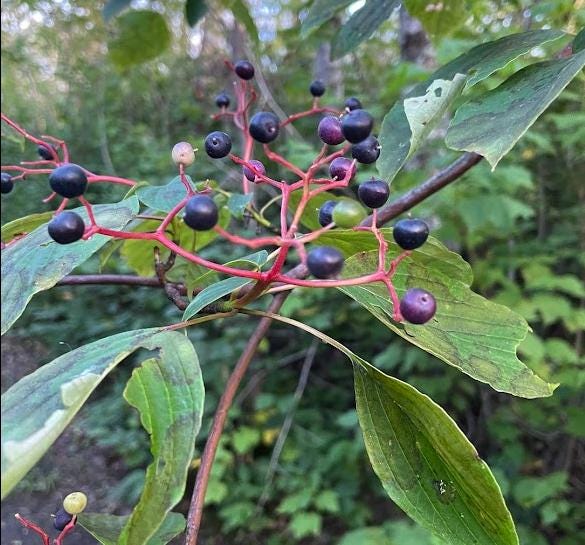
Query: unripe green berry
[75, 503]
[348, 214]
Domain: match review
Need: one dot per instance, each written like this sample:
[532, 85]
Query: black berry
[353, 103]
[45, 153]
[374, 193]
[7, 184]
[249, 173]
[317, 88]
[244, 69]
[410, 234]
[418, 306]
[68, 181]
[222, 100]
[325, 213]
[367, 151]
[324, 262]
[62, 519]
[264, 127]
[330, 130]
[66, 228]
[357, 125]
[201, 213]
[340, 166]
[218, 144]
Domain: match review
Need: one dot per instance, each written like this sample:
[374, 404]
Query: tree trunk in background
[414, 43]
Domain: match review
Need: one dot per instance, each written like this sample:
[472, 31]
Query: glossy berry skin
[317, 88]
[249, 174]
[68, 180]
[329, 130]
[201, 213]
[367, 151]
[374, 193]
[264, 127]
[353, 103]
[325, 213]
[218, 144]
[66, 228]
[348, 214]
[357, 125]
[244, 70]
[324, 262]
[62, 519]
[410, 234]
[7, 185]
[222, 100]
[339, 167]
[45, 153]
[75, 503]
[418, 306]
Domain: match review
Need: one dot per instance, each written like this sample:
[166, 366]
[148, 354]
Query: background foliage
[69, 72]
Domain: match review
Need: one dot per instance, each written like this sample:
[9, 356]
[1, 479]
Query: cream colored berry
[183, 154]
[75, 503]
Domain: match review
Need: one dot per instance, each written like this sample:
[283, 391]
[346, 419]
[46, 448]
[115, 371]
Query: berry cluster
[63, 520]
[351, 129]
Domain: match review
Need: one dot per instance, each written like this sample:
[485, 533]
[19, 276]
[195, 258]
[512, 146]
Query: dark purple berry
[264, 127]
[418, 306]
[222, 100]
[357, 125]
[244, 69]
[45, 153]
[374, 193]
[325, 213]
[330, 130]
[317, 88]
[324, 262]
[340, 166]
[201, 213]
[68, 181]
[248, 173]
[367, 151]
[218, 144]
[62, 519]
[7, 184]
[353, 103]
[67, 227]
[410, 234]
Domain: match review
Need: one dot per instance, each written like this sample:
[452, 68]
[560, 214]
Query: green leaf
[36, 263]
[107, 528]
[362, 24]
[320, 12]
[38, 408]
[194, 11]
[469, 332]
[213, 293]
[491, 124]
[113, 7]
[242, 15]
[374, 535]
[478, 64]
[423, 113]
[24, 225]
[168, 393]
[439, 18]
[164, 197]
[237, 204]
[424, 461]
[140, 36]
[305, 524]
[579, 41]
[245, 439]
[531, 491]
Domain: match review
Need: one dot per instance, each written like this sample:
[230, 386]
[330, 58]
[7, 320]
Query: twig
[219, 419]
[283, 434]
[115, 279]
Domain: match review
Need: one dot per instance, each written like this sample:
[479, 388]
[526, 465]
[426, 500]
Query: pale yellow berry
[75, 503]
[183, 154]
